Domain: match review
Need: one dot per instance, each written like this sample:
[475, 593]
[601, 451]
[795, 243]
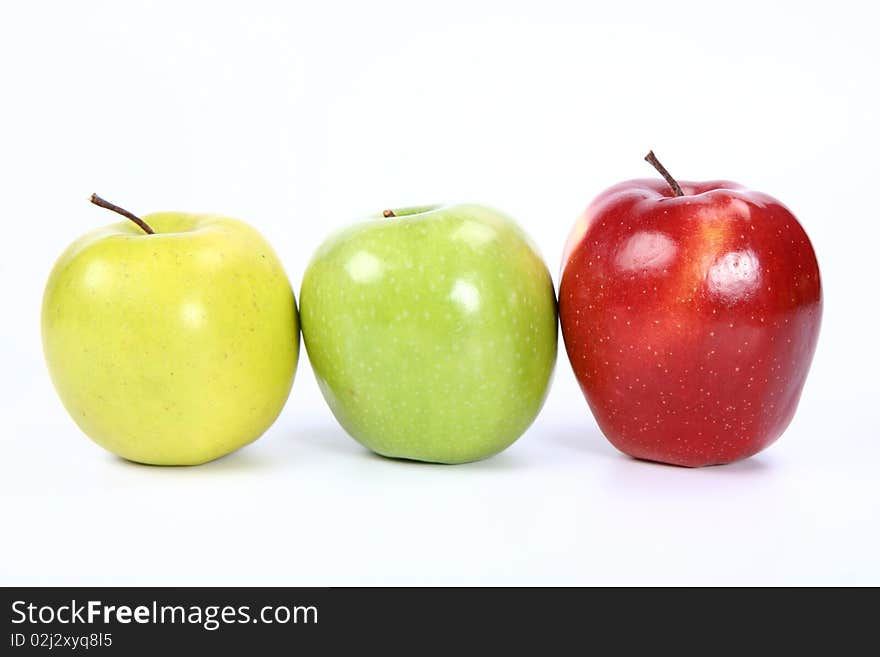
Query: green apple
[431, 331]
[171, 348]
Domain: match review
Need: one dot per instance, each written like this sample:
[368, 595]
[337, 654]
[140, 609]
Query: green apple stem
[388, 214]
[143, 225]
[652, 159]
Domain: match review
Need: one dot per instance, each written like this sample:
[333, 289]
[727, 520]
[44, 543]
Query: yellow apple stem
[652, 159]
[144, 226]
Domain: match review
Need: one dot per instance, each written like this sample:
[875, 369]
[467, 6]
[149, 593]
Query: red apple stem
[143, 225]
[652, 159]
[388, 214]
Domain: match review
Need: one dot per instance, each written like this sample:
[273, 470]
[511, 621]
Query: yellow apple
[171, 348]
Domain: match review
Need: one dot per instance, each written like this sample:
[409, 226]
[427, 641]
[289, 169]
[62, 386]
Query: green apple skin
[432, 333]
[174, 348]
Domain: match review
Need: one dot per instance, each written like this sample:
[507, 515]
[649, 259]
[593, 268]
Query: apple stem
[652, 159]
[143, 225]
[388, 214]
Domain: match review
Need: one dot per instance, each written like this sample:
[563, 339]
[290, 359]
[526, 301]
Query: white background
[302, 116]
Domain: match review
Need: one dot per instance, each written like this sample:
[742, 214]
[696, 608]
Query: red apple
[690, 314]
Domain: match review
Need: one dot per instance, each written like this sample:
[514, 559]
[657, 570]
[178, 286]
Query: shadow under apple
[333, 440]
[584, 438]
[245, 459]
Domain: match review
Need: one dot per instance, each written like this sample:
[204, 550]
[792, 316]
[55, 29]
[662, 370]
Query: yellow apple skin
[174, 348]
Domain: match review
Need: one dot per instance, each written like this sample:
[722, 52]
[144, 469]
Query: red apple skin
[690, 321]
